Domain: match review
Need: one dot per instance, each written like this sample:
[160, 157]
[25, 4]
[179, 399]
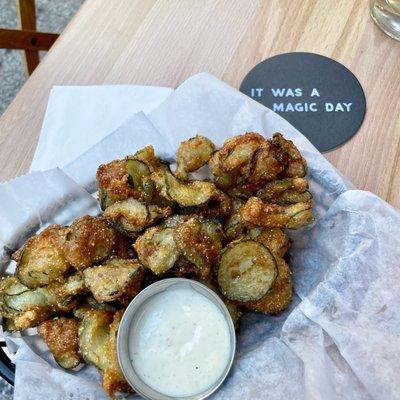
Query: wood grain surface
[164, 42]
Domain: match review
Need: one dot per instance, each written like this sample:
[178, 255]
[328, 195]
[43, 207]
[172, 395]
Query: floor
[51, 16]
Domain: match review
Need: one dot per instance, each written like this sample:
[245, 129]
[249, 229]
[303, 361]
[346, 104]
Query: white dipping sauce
[180, 343]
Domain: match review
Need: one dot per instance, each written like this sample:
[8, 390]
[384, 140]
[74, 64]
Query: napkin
[77, 117]
[340, 337]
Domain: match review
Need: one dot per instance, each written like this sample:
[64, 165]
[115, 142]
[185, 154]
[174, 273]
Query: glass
[386, 14]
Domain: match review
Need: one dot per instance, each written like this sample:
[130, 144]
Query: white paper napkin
[77, 117]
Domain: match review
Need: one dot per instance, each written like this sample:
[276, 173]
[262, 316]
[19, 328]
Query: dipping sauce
[179, 343]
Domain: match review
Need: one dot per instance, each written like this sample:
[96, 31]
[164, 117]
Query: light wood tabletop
[164, 42]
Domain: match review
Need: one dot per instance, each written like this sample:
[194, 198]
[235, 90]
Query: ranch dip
[179, 344]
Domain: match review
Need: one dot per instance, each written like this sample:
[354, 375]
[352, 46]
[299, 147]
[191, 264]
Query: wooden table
[164, 42]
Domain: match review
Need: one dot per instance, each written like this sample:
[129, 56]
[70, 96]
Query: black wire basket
[7, 368]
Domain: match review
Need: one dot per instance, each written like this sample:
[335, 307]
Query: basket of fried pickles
[228, 232]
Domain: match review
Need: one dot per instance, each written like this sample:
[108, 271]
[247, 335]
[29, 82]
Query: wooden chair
[27, 38]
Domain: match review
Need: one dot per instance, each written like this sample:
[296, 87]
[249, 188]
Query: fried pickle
[90, 240]
[274, 238]
[294, 216]
[232, 164]
[280, 294]
[157, 249]
[246, 270]
[113, 380]
[246, 163]
[113, 183]
[132, 216]
[41, 260]
[184, 194]
[192, 240]
[123, 179]
[113, 280]
[296, 166]
[234, 227]
[199, 241]
[24, 308]
[285, 191]
[61, 336]
[193, 154]
[97, 342]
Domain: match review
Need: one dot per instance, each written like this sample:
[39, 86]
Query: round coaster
[316, 94]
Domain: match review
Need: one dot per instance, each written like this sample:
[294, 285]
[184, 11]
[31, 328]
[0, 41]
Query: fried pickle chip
[132, 216]
[157, 249]
[184, 194]
[123, 179]
[267, 163]
[294, 216]
[113, 380]
[247, 162]
[114, 279]
[94, 331]
[218, 206]
[199, 241]
[97, 342]
[296, 165]
[61, 336]
[274, 238]
[113, 183]
[193, 154]
[27, 319]
[279, 296]
[25, 308]
[232, 164]
[285, 191]
[88, 241]
[246, 270]
[21, 313]
[91, 304]
[41, 260]
[234, 227]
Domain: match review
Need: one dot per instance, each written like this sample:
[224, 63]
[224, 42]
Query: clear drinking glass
[386, 14]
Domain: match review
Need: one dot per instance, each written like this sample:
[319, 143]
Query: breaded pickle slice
[285, 191]
[24, 308]
[193, 154]
[132, 216]
[293, 216]
[184, 194]
[113, 380]
[199, 241]
[274, 238]
[94, 331]
[97, 342]
[42, 259]
[114, 279]
[157, 249]
[246, 270]
[88, 241]
[234, 227]
[278, 298]
[61, 336]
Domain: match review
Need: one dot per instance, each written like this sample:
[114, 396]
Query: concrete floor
[51, 16]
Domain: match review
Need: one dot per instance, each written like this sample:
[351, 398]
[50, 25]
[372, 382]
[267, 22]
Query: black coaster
[316, 94]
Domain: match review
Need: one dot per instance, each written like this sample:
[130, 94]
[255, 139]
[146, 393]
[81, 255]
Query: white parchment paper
[340, 337]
